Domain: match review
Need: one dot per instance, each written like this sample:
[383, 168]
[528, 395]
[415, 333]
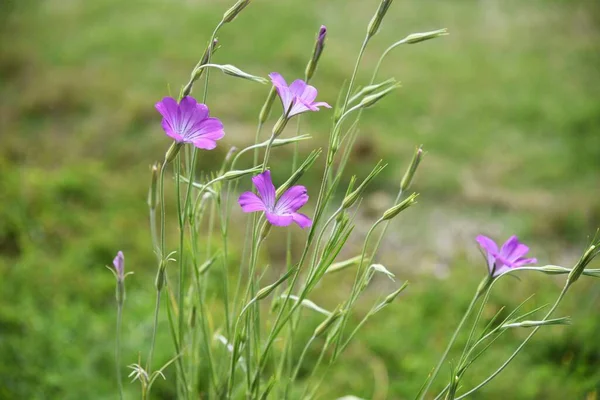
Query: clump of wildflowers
[511, 254]
[279, 212]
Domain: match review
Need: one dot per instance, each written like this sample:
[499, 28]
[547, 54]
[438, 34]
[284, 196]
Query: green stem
[154, 329]
[452, 340]
[501, 368]
[118, 350]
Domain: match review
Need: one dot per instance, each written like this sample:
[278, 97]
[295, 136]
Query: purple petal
[509, 247]
[282, 89]
[525, 261]
[119, 264]
[321, 104]
[251, 202]
[309, 94]
[265, 188]
[298, 108]
[490, 247]
[209, 128]
[302, 220]
[298, 87]
[279, 220]
[203, 143]
[187, 115]
[167, 107]
[168, 128]
[518, 252]
[292, 200]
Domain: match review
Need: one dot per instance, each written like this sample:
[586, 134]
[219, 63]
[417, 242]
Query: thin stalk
[118, 349]
[513, 355]
[301, 359]
[154, 329]
[452, 340]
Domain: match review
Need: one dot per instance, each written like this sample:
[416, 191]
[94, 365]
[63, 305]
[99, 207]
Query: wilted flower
[296, 98]
[511, 254]
[189, 122]
[280, 212]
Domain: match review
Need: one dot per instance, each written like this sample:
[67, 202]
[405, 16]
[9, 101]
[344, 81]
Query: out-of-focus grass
[506, 107]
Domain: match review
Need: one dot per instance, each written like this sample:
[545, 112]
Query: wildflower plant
[231, 353]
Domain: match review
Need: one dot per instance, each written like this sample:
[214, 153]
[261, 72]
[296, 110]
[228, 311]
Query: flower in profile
[189, 122]
[280, 212]
[297, 97]
[511, 254]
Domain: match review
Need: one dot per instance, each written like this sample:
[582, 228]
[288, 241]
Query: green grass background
[506, 107]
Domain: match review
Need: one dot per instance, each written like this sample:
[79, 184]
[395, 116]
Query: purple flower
[296, 98]
[119, 264]
[280, 212]
[511, 254]
[188, 122]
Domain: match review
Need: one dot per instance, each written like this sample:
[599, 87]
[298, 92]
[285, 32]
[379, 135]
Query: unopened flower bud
[207, 264]
[370, 89]
[370, 100]
[319, 45]
[410, 172]
[310, 160]
[173, 151]
[414, 38]
[235, 10]
[267, 290]
[229, 69]
[153, 193]
[533, 324]
[322, 328]
[378, 17]
[398, 208]
[392, 296]
[264, 232]
[236, 174]
[351, 198]
[266, 108]
[587, 257]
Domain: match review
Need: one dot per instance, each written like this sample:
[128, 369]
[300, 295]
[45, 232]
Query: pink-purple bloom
[280, 212]
[119, 264]
[297, 97]
[511, 254]
[189, 122]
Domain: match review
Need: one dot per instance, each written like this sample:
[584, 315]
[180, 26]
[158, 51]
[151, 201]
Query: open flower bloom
[119, 264]
[280, 212]
[298, 97]
[188, 122]
[511, 254]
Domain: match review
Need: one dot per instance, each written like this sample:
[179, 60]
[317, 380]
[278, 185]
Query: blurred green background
[506, 107]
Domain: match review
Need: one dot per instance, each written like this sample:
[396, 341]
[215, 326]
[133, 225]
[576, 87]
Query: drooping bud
[378, 17]
[533, 324]
[398, 208]
[351, 198]
[410, 172]
[153, 193]
[229, 69]
[319, 45]
[369, 101]
[414, 38]
[266, 108]
[235, 10]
